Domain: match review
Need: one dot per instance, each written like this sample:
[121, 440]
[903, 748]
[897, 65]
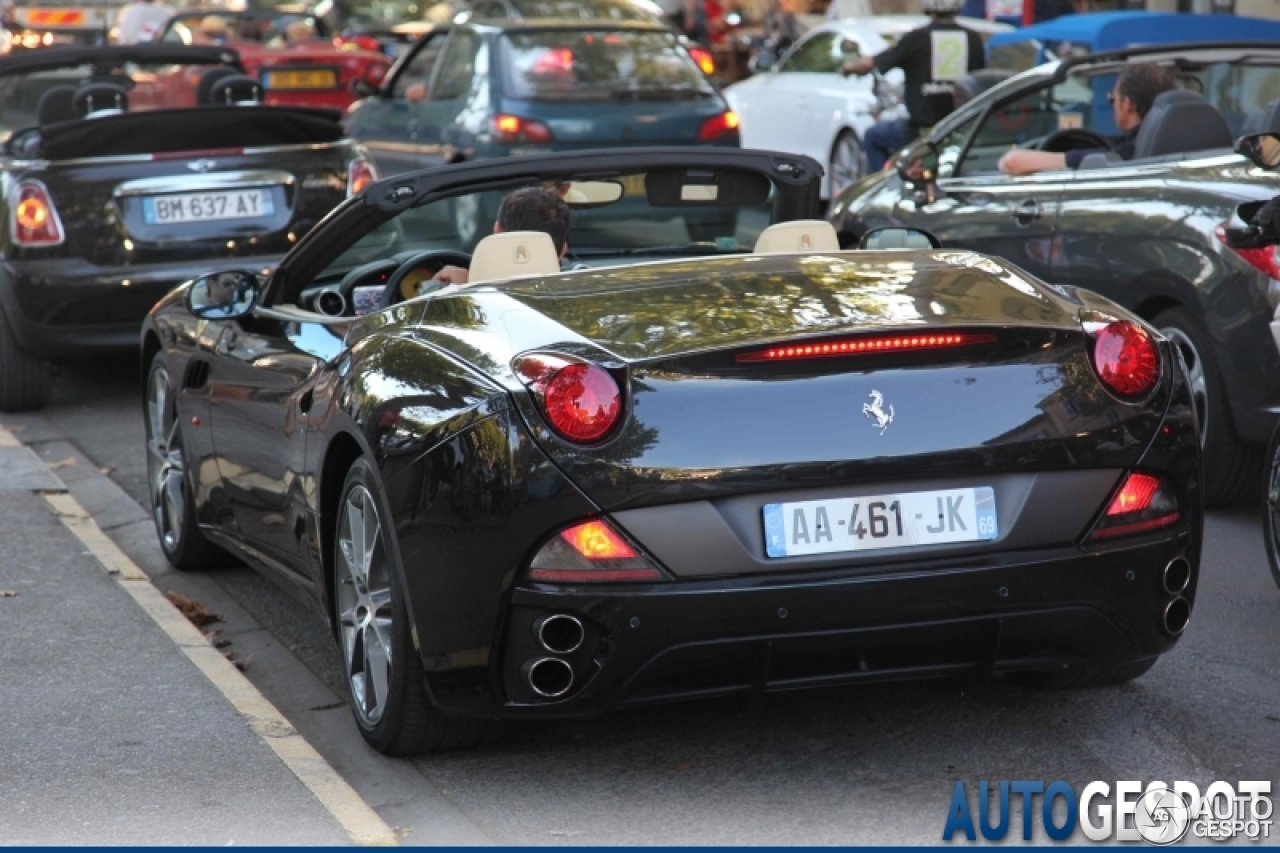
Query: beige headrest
[512, 254]
[803, 235]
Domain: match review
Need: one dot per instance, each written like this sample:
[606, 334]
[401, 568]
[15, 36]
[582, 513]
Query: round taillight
[1126, 359]
[582, 402]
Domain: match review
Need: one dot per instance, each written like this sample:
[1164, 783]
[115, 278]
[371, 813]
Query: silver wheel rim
[466, 212]
[364, 604]
[166, 467]
[1195, 376]
[848, 163]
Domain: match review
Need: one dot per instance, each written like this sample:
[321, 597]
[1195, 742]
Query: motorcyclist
[932, 58]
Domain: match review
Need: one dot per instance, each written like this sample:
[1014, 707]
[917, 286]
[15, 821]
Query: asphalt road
[869, 765]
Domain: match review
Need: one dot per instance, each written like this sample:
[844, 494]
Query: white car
[803, 105]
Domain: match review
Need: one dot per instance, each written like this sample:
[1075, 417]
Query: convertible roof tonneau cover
[50, 58]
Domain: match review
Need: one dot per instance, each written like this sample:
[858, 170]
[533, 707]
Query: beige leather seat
[513, 254]
[803, 235]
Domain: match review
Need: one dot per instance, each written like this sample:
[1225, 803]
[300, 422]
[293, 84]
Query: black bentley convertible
[128, 170]
[671, 469]
[1146, 232]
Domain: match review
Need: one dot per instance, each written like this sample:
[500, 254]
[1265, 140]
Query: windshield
[267, 29]
[666, 214]
[46, 97]
[599, 65]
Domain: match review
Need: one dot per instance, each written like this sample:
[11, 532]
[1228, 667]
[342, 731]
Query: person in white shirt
[141, 21]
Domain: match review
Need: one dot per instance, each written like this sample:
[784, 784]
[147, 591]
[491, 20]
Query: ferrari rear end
[827, 470]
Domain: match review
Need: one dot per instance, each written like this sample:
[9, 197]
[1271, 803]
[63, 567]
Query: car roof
[1106, 30]
[49, 58]
[534, 24]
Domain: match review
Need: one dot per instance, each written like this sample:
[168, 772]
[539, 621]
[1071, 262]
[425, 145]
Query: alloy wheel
[1196, 377]
[364, 604]
[166, 465]
[848, 163]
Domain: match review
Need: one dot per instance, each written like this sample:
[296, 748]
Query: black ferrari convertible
[128, 170]
[660, 469]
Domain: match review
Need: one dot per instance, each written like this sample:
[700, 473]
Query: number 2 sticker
[950, 55]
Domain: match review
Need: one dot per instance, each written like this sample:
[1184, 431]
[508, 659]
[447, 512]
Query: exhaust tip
[550, 678]
[1177, 614]
[1177, 576]
[560, 633]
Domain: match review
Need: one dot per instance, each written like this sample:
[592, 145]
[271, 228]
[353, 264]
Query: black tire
[24, 380]
[1092, 675]
[1271, 506]
[1231, 466]
[173, 506]
[400, 721]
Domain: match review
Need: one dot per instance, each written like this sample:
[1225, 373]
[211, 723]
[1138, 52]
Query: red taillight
[703, 58]
[591, 552]
[33, 218]
[1143, 502]
[1125, 358]
[867, 345]
[718, 126]
[360, 174]
[1265, 260]
[556, 60]
[509, 130]
[582, 401]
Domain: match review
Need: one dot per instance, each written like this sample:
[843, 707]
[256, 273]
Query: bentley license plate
[207, 206]
[880, 521]
[323, 78]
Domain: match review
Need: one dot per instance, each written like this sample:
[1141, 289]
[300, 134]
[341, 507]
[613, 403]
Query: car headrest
[235, 89]
[209, 79]
[95, 98]
[55, 105]
[802, 235]
[512, 254]
[1181, 121]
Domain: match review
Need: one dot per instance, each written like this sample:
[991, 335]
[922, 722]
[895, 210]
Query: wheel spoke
[379, 671]
[175, 500]
[355, 527]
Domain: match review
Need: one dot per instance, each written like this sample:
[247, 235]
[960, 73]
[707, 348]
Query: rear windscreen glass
[601, 65]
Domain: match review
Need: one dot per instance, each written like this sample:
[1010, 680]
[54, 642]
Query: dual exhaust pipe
[1175, 579]
[559, 634]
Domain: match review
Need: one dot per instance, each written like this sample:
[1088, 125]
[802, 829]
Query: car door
[788, 96]
[390, 124]
[260, 398]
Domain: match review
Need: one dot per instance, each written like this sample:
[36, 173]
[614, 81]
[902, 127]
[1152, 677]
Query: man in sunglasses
[1135, 90]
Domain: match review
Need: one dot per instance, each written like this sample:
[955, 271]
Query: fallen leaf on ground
[62, 463]
[106, 469]
[241, 665]
[8, 593]
[197, 614]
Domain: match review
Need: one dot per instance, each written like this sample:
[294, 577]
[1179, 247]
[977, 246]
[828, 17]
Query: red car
[292, 56]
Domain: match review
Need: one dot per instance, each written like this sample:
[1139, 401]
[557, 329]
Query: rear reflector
[34, 220]
[591, 552]
[1142, 503]
[867, 345]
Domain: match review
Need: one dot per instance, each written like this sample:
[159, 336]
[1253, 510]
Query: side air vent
[197, 374]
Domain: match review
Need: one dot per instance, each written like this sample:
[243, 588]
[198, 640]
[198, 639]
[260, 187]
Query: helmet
[941, 7]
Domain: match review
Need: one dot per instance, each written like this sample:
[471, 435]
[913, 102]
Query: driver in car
[1135, 90]
[528, 209]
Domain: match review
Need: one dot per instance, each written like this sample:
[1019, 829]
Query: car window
[600, 65]
[420, 65]
[820, 54]
[951, 146]
[1023, 122]
[457, 67]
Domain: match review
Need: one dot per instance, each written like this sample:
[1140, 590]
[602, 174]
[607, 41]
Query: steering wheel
[1074, 139]
[432, 260]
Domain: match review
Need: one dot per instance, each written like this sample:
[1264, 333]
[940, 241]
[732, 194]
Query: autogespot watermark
[1157, 813]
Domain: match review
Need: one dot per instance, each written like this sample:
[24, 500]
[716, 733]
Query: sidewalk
[122, 725]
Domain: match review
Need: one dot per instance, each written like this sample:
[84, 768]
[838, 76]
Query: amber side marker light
[1142, 503]
[867, 345]
[591, 552]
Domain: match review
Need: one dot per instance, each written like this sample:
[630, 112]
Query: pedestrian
[140, 21]
[932, 58]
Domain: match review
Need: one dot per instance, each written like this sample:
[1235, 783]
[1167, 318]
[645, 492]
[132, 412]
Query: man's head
[1135, 90]
[941, 8]
[535, 209]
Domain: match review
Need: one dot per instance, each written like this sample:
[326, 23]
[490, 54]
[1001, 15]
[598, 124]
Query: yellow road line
[361, 822]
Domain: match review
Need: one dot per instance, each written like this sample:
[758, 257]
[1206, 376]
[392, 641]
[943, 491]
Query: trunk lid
[625, 119]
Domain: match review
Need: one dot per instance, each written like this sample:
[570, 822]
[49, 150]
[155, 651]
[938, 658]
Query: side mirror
[1262, 148]
[223, 295]
[763, 61]
[363, 89]
[850, 48]
[894, 237]
[918, 166]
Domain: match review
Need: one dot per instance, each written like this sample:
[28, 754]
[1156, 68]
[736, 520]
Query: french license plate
[880, 521]
[206, 207]
[318, 79]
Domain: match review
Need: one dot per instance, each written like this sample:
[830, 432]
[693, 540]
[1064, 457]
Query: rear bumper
[69, 307]
[1044, 611]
